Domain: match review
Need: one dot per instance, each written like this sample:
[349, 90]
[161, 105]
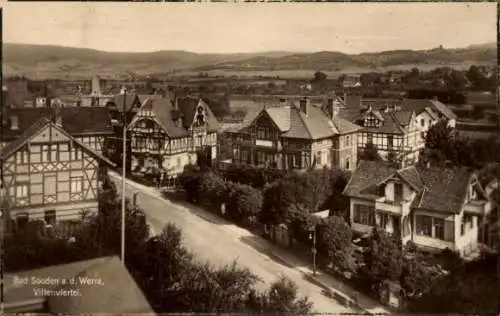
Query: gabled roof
[119, 294]
[75, 120]
[390, 122]
[445, 189]
[187, 106]
[24, 138]
[441, 190]
[130, 101]
[280, 116]
[167, 115]
[367, 176]
[294, 123]
[444, 110]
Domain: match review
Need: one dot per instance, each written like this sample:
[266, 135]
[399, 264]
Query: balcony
[477, 207]
[399, 207]
[264, 143]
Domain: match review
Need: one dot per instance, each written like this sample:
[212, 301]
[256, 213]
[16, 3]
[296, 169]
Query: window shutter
[449, 231]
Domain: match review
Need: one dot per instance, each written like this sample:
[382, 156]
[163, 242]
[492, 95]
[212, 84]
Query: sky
[250, 27]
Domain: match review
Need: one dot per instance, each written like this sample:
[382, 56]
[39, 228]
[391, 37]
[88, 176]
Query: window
[347, 140]
[431, 227]
[22, 221]
[369, 138]
[424, 225]
[22, 157]
[347, 163]
[318, 158]
[76, 184]
[244, 155]
[422, 135]
[363, 214]
[76, 153]
[260, 157]
[422, 122]
[398, 191]
[438, 228]
[297, 160]
[45, 153]
[178, 162]
[21, 190]
[50, 217]
[390, 141]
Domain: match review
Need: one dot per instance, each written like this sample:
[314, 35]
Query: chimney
[304, 106]
[333, 108]
[14, 123]
[58, 119]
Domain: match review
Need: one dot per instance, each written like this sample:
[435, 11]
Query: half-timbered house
[50, 175]
[89, 125]
[396, 126]
[295, 136]
[170, 133]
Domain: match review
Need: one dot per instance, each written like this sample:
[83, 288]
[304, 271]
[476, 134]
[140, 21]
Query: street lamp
[312, 236]
[124, 162]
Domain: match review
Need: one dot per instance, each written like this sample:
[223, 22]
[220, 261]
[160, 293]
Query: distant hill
[58, 62]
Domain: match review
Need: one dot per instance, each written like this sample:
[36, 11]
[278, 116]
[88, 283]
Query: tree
[383, 259]
[189, 181]
[416, 278]
[160, 263]
[213, 188]
[370, 152]
[319, 77]
[470, 288]
[245, 203]
[439, 136]
[336, 239]
[455, 80]
[281, 299]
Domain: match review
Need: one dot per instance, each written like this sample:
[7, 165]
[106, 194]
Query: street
[220, 242]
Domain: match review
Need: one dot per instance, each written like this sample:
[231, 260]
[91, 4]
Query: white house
[436, 208]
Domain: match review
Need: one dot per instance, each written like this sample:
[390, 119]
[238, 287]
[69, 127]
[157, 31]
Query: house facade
[170, 133]
[296, 136]
[50, 175]
[436, 208]
[391, 132]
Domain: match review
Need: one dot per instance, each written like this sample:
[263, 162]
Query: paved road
[212, 239]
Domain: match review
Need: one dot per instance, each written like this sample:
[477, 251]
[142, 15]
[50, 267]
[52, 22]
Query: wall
[347, 151]
[322, 147]
[175, 163]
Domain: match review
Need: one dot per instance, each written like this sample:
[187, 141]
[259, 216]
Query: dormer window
[200, 116]
[473, 193]
[14, 123]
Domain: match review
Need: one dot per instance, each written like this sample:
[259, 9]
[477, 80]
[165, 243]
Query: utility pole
[124, 162]
[312, 235]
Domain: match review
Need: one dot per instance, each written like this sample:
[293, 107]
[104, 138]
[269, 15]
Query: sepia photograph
[249, 158]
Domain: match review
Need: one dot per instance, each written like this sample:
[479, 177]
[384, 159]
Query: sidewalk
[367, 304]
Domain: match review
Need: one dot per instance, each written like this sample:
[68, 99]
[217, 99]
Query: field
[39, 62]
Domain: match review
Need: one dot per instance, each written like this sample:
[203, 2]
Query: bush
[213, 189]
[244, 203]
